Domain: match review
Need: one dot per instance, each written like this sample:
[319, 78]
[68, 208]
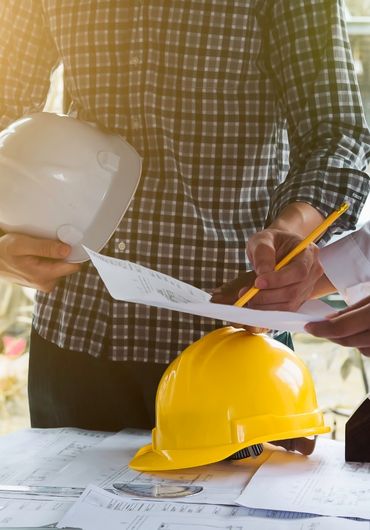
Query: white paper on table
[107, 463]
[322, 484]
[34, 456]
[130, 282]
[35, 512]
[97, 509]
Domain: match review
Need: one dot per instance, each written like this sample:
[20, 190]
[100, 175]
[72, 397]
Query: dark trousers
[73, 389]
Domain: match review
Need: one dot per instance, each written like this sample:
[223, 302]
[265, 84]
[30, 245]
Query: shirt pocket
[230, 48]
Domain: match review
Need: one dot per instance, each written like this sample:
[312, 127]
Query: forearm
[328, 136]
[299, 218]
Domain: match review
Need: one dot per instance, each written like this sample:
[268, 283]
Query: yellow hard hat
[229, 391]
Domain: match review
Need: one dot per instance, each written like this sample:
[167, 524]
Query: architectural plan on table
[98, 509]
[322, 484]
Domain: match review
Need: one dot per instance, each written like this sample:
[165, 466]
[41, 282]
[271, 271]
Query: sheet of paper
[97, 509]
[35, 456]
[130, 282]
[36, 512]
[107, 463]
[322, 484]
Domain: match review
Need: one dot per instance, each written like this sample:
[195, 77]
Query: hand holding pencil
[291, 282]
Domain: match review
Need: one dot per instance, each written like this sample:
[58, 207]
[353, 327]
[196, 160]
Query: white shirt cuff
[347, 265]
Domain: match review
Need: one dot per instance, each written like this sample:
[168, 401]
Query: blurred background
[341, 375]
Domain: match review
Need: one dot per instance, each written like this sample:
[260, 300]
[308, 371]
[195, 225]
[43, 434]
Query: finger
[251, 329]
[261, 252]
[47, 287]
[256, 331]
[296, 271]
[228, 293]
[245, 279]
[275, 296]
[49, 270]
[305, 446]
[350, 323]
[21, 245]
[224, 298]
[291, 305]
[361, 340]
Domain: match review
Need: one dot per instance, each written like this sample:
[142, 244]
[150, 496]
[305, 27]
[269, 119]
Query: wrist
[299, 218]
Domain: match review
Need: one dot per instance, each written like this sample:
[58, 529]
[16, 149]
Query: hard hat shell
[227, 391]
[67, 179]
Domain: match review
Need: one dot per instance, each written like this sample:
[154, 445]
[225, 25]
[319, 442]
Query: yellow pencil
[317, 232]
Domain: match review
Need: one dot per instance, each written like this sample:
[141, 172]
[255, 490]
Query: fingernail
[260, 283]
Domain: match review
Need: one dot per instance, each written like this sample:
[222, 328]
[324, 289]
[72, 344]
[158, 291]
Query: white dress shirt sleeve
[347, 264]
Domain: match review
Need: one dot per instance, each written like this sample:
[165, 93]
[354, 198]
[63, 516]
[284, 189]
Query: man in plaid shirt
[247, 115]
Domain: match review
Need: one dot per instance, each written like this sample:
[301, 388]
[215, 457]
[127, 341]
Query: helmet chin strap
[305, 446]
[252, 450]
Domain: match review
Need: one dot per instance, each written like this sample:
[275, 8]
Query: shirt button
[122, 246]
[135, 60]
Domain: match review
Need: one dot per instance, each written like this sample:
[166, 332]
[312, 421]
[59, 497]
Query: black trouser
[74, 389]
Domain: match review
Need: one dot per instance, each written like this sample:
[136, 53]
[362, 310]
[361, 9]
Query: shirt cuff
[325, 191]
[347, 267]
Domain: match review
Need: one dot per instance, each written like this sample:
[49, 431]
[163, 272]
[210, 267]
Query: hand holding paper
[130, 282]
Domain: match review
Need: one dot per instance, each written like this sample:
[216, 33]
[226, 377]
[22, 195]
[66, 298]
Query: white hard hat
[65, 179]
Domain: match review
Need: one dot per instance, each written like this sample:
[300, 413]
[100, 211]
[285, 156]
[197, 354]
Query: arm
[308, 57]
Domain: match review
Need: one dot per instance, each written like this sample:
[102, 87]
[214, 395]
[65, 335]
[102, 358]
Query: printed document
[74, 458]
[35, 456]
[98, 509]
[31, 512]
[322, 484]
[130, 282]
[107, 464]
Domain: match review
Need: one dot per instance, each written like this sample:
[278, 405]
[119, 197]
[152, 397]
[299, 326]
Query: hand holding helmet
[65, 179]
[34, 262]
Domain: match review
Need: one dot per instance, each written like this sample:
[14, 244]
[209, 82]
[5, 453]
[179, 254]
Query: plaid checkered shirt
[238, 108]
